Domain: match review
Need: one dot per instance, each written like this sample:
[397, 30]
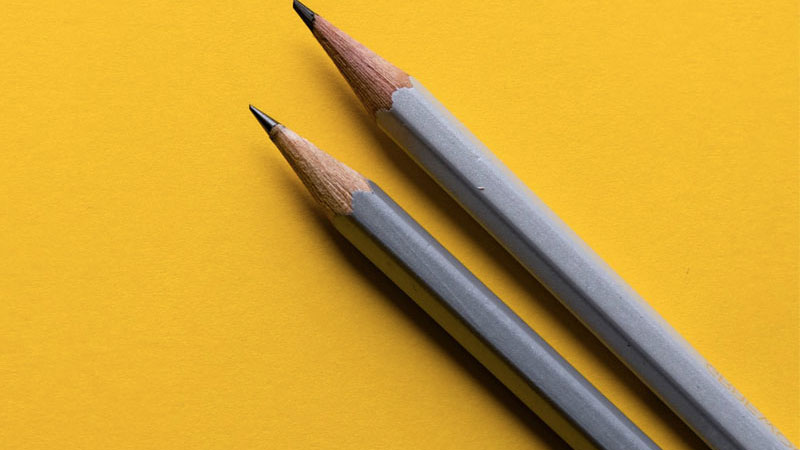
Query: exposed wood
[372, 78]
[330, 182]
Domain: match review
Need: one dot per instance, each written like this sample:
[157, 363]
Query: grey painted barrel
[563, 263]
[485, 326]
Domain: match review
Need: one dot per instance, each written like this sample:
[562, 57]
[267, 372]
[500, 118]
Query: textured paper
[166, 282]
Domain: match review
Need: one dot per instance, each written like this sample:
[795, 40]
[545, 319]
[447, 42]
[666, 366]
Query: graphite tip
[306, 14]
[267, 122]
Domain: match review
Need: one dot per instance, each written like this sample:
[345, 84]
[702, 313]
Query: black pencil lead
[306, 14]
[267, 122]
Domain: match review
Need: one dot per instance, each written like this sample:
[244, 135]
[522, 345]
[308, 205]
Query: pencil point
[267, 122]
[330, 182]
[306, 14]
[373, 79]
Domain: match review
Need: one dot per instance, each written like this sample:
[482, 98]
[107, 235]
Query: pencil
[547, 247]
[457, 300]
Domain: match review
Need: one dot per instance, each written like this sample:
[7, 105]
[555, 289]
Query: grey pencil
[458, 301]
[546, 246]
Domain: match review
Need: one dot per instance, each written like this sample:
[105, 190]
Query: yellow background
[166, 282]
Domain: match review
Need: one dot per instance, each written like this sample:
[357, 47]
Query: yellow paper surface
[166, 281]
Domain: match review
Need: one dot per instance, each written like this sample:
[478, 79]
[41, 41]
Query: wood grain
[372, 78]
[330, 182]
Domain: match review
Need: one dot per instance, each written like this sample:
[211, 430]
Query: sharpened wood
[373, 78]
[330, 182]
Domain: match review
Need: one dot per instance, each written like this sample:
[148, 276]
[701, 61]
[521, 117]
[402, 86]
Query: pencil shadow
[409, 310]
[553, 309]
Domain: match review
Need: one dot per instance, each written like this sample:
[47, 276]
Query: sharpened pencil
[457, 300]
[541, 242]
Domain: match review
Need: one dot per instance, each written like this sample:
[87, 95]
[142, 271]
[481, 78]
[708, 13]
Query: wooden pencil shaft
[485, 326]
[537, 238]
[576, 275]
[457, 300]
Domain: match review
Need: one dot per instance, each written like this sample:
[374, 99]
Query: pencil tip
[267, 122]
[306, 14]
[330, 182]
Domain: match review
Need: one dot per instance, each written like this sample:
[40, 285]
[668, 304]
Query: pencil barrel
[564, 264]
[485, 326]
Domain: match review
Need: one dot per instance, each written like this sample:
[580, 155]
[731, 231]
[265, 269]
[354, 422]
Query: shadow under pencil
[409, 310]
